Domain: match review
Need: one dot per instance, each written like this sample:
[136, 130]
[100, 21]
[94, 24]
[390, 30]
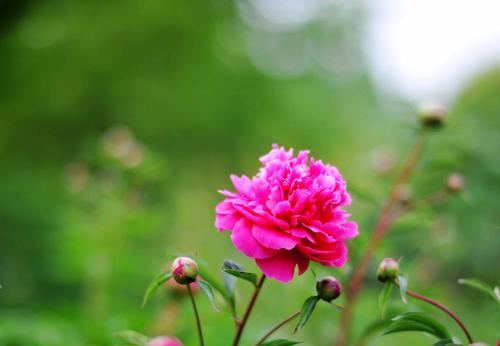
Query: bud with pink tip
[328, 288]
[184, 270]
[455, 183]
[388, 270]
[164, 341]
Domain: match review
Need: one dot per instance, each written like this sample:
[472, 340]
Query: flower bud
[432, 115]
[164, 341]
[455, 183]
[328, 288]
[402, 194]
[184, 270]
[388, 270]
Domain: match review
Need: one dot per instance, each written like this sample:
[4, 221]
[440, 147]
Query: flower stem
[244, 320]
[278, 326]
[388, 215]
[198, 322]
[442, 308]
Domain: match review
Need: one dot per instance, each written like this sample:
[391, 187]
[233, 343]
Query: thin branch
[278, 326]
[198, 322]
[388, 215]
[250, 306]
[442, 308]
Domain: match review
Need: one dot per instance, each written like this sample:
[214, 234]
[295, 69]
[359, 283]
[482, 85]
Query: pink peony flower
[290, 213]
[164, 341]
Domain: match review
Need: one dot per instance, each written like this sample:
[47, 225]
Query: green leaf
[407, 326]
[447, 342]
[130, 337]
[417, 321]
[234, 269]
[403, 286]
[207, 289]
[481, 286]
[374, 327]
[280, 342]
[305, 313]
[205, 274]
[384, 297]
[157, 282]
[230, 280]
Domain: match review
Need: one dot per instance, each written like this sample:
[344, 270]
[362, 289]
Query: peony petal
[273, 238]
[224, 207]
[249, 214]
[281, 266]
[226, 222]
[243, 185]
[300, 233]
[244, 241]
[342, 231]
[320, 234]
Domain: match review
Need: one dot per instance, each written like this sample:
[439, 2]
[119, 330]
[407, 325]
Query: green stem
[198, 322]
[251, 304]
[278, 326]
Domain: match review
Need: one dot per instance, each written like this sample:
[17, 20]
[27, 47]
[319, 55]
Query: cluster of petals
[290, 213]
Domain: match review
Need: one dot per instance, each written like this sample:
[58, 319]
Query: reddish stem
[197, 315]
[442, 308]
[251, 304]
[388, 215]
[278, 326]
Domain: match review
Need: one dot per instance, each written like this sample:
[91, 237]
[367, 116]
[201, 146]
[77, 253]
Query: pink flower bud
[388, 270]
[184, 270]
[455, 182]
[328, 288]
[164, 341]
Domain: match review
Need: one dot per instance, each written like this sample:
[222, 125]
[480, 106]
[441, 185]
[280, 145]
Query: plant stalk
[278, 326]
[248, 311]
[442, 308]
[198, 322]
[388, 215]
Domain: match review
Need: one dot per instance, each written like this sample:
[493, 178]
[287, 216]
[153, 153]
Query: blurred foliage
[119, 122]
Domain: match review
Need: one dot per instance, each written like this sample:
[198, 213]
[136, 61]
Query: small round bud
[388, 270]
[432, 115]
[184, 270]
[328, 288]
[455, 183]
[402, 194]
[164, 341]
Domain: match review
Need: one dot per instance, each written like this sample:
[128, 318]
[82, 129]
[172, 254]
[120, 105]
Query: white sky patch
[428, 49]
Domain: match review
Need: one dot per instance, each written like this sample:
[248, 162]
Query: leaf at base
[403, 286]
[306, 312]
[207, 289]
[446, 342]
[157, 282]
[417, 321]
[479, 285]
[250, 277]
[384, 298]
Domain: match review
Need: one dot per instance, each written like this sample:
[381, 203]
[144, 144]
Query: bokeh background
[119, 120]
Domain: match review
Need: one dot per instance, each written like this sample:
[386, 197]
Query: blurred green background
[119, 120]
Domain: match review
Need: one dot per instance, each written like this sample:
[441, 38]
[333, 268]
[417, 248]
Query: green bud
[432, 115]
[328, 288]
[388, 270]
[184, 270]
